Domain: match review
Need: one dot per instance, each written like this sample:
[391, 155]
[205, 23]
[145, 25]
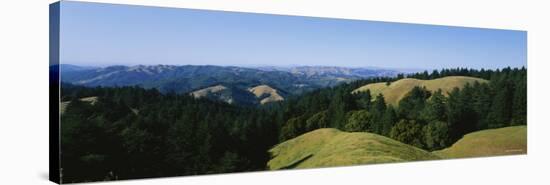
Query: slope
[330, 147]
[226, 93]
[500, 141]
[398, 89]
[266, 94]
[63, 105]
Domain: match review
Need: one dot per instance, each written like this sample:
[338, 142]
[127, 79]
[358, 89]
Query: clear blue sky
[103, 34]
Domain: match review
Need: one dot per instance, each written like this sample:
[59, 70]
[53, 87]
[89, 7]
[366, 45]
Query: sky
[94, 34]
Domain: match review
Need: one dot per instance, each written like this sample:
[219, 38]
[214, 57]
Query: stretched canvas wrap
[144, 92]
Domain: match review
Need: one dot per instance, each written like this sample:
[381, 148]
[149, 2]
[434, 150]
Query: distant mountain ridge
[333, 71]
[190, 78]
[69, 67]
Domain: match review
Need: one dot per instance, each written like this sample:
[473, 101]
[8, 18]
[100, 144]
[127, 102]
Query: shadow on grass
[297, 162]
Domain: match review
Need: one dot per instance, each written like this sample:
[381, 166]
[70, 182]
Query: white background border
[24, 90]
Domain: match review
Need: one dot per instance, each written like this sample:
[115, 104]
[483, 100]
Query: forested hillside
[131, 132]
[427, 119]
[167, 135]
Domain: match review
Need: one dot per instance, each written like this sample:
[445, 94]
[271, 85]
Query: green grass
[491, 142]
[398, 89]
[330, 147]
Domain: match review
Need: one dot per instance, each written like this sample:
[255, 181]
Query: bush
[436, 135]
[360, 120]
[409, 132]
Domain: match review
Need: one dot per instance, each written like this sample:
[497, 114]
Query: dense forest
[135, 133]
[131, 132]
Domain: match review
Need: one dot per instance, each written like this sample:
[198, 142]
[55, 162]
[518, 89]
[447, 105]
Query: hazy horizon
[99, 35]
[289, 66]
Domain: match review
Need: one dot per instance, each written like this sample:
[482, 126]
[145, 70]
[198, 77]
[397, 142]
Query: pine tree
[519, 114]
[364, 100]
[409, 132]
[454, 114]
[360, 120]
[436, 135]
[379, 104]
[379, 107]
[435, 108]
[501, 107]
[388, 120]
[413, 103]
[482, 99]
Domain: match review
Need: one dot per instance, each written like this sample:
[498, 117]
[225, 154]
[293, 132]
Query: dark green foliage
[379, 104]
[519, 104]
[501, 110]
[408, 131]
[357, 121]
[293, 127]
[319, 120]
[170, 135]
[364, 100]
[436, 135]
[435, 108]
[482, 104]
[414, 102]
[482, 73]
[462, 118]
[388, 120]
[340, 104]
[378, 110]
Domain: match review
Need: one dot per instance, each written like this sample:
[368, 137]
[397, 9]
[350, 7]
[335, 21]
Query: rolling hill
[63, 105]
[501, 141]
[330, 147]
[266, 94]
[228, 94]
[398, 89]
[218, 92]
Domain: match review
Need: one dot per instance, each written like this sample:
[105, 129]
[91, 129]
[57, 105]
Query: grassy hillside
[266, 94]
[501, 141]
[204, 92]
[330, 147]
[398, 89]
[63, 105]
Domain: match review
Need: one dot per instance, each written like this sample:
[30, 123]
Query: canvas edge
[54, 130]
